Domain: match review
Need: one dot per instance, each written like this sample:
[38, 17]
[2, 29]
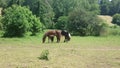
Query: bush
[114, 30]
[19, 20]
[37, 26]
[62, 22]
[84, 23]
[116, 19]
[44, 55]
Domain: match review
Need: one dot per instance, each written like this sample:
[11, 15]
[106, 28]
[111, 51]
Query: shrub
[115, 30]
[37, 26]
[84, 23]
[62, 22]
[116, 19]
[44, 55]
[104, 29]
[19, 20]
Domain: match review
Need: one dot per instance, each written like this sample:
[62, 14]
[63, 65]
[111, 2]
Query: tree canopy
[61, 14]
[19, 20]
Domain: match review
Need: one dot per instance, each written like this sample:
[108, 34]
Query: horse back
[51, 33]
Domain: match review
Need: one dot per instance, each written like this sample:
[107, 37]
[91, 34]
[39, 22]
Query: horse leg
[58, 39]
[52, 39]
[44, 38]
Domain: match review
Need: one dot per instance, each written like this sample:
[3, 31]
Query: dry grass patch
[107, 19]
[80, 52]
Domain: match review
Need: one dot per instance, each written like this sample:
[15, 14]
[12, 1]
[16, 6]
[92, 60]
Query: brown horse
[58, 33]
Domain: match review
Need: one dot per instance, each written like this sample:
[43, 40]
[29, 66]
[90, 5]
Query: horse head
[66, 34]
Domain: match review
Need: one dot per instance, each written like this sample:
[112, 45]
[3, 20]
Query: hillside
[107, 19]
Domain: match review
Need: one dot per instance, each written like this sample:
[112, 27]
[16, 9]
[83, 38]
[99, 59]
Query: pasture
[80, 52]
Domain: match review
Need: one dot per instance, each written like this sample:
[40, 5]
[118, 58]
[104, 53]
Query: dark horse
[58, 33]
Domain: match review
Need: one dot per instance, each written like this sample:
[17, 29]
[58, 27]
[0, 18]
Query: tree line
[105, 7]
[60, 14]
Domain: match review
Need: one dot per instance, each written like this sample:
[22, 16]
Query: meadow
[80, 52]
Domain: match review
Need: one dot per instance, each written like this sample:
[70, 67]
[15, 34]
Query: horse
[58, 33]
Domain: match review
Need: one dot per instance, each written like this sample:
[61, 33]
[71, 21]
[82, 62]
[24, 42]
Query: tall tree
[3, 3]
[18, 2]
[94, 6]
[62, 7]
[105, 7]
[114, 7]
[43, 10]
[108, 7]
[85, 23]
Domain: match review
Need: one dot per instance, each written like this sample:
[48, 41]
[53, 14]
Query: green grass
[80, 52]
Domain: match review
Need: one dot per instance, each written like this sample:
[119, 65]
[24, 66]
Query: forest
[80, 17]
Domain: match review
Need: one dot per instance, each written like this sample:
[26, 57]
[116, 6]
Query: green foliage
[12, 2]
[3, 3]
[104, 29]
[105, 7]
[43, 10]
[84, 23]
[51, 13]
[116, 19]
[62, 22]
[9, 3]
[109, 7]
[113, 30]
[114, 7]
[89, 5]
[19, 20]
[44, 55]
[37, 26]
[62, 7]
[0, 23]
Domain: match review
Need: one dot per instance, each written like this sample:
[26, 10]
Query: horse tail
[44, 38]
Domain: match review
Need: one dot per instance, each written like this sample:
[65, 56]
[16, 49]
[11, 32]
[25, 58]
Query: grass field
[80, 52]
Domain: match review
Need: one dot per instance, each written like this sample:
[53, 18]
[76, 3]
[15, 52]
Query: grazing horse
[58, 33]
